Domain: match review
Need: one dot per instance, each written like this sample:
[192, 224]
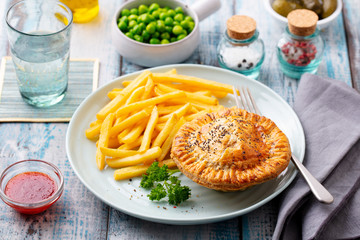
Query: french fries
[141, 119]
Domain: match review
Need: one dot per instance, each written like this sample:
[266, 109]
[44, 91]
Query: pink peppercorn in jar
[301, 47]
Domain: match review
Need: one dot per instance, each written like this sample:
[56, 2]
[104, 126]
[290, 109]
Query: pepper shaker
[240, 48]
[301, 47]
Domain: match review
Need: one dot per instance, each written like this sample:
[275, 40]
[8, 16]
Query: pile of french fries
[139, 123]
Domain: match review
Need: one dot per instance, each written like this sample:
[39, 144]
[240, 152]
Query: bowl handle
[204, 8]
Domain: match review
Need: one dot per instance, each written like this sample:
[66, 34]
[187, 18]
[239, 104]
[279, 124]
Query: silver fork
[247, 102]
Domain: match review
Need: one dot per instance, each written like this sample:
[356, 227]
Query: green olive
[329, 7]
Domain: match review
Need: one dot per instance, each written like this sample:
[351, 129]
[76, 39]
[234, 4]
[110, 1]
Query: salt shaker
[241, 49]
[301, 47]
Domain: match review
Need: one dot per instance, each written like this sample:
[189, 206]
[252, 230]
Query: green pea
[179, 10]
[151, 17]
[154, 24]
[143, 9]
[164, 41]
[132, 23]
[138, 38]
[168, 29]
[132, 31]
[125, 12]
[160, 26]
[153, 7]
[169, 21]
[122, 26]
[171, 13]
[181, 36]
[142, 26]
[156, 14]
[191, 26]
[165, 35]
[163, 16]
[151, 28]
[155, 35]
[146, 35]
[184, 24]
[129, 35]
[133, 17]
[188, 18]
[154, 41]
[124, 19]
[177, 30]
[145, 18]
[137, 30]
[134, 11]
[179, 17]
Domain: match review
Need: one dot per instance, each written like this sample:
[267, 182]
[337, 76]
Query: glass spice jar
[241, 49]
[301, 47]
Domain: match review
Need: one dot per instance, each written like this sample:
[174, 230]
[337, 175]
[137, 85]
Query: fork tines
[245, 100]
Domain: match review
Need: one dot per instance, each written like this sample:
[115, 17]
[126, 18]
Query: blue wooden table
[79, 214]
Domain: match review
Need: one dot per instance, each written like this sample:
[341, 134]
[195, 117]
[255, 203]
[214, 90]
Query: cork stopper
[240, 27]
[302, 22]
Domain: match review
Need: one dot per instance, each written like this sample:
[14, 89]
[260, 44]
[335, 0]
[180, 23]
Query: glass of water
[39, 36]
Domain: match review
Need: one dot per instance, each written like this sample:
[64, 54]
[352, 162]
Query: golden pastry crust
[231, 150]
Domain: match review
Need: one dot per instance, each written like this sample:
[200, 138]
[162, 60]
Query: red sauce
[30, 187]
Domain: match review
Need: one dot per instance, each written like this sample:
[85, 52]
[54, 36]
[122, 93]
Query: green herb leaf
[166, 185]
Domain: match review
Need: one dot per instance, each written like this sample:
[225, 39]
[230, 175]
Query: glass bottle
[241, 49]
[301, 47]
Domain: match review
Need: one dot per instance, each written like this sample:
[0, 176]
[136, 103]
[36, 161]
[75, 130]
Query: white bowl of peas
[158, 32]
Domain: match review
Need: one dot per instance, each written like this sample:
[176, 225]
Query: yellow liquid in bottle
[83, 10]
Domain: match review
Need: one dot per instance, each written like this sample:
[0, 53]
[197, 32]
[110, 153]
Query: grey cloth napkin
[329, 111]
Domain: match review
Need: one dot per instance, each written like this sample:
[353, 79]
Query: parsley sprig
[163, 184]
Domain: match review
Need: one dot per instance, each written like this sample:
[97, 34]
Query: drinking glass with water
[39, 36]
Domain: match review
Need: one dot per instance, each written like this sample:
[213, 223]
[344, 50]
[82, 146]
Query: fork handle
[320, 192]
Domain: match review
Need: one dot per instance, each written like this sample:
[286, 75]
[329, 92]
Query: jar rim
[315, 34]
[242, 41]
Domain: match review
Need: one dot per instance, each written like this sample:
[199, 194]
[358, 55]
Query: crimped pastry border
[238, 176]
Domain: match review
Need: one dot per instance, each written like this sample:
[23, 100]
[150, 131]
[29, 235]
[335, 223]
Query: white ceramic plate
[205, 205]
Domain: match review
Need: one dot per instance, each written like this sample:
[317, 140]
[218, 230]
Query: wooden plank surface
[351, 12]
[79, 214]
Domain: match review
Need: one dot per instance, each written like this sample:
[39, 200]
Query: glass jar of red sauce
[31, 186]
